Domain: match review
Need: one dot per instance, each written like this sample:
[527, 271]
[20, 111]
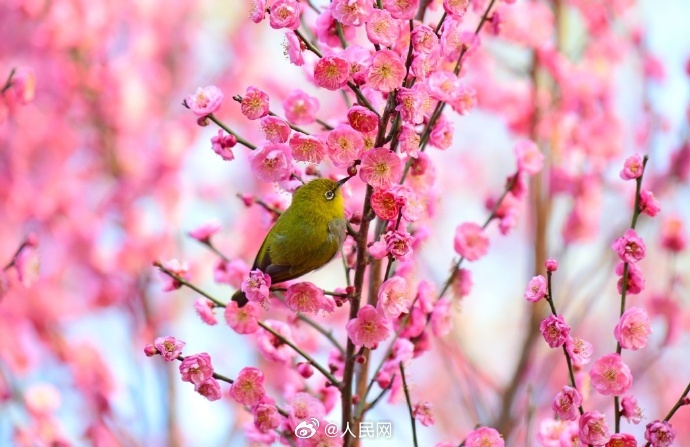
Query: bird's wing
[277, 272]
[338, 231]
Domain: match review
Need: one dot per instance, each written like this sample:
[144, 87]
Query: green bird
[306, 236]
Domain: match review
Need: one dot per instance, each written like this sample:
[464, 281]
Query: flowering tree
[389, 95]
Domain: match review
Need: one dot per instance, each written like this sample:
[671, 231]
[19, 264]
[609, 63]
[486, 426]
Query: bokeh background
[109, 172]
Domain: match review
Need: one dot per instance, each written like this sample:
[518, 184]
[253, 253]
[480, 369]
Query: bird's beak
[342, 181]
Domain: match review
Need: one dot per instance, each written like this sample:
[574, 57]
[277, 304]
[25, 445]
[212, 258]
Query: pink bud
[305, 370]
[150, 350]
[551, 265]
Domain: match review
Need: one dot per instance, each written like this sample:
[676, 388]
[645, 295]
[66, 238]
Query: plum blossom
[309, 148]
[610, 376]
[351, 12]
[179, 269]
[484, 437]
[630, 247]
[393, 297]
[243, 320]
[631, 410]
[660, 434]
[369, 328]
[566, 403]
[205, 101]
[285, 14]
[555, 330]
[386, 72]
[331, 72]
[256, 286]
[593, 428]
[580, 350]
[305, 297]
[210, 389]
[380, 167]
[196, 368]
[300, 108]
[271, 162]
[345, 145]
[248, 388]
[529, 157]
[536, 289]
[633, 329]
[222, 145]
[169, 347]
[204, 308]
[273, 347]
[632, 168]
[382, 28]
[422, 412]
[471, 242]
[254, 103]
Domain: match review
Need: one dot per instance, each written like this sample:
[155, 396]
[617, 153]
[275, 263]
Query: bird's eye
[329, 195]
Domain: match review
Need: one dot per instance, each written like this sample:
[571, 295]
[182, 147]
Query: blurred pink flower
[305, 297]
[529, 157]
[631, 410]
[275, 129]
[232, 273]
[635, 282]
[401, 9]
[300, 108]
[441, 135]
[302, 407]
[580, 350]
[204, 308]
[204, 232]
[27, 263]
[649, 205]
[471, 242]
[177, 268]
[536, 289]
[673, 237]
[271, 162]
[409, 140]
[266, 417]
[258, 11]
[393, 297]
[294, 48]
[243, 320]
[272, 347]
[456, 8]
[422, 412]
[42, 399]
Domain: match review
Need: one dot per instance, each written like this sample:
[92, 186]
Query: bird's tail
[240, 298]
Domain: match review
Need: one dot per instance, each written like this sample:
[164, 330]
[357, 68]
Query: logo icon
[305, 429]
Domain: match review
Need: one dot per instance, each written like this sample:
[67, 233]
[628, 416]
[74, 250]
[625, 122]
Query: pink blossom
[27, 263]
[555, 330]
[441, 318]
[271, 162]
[632, 168]
[294, 49]
[648, 203]
[275, 129]
[243, 320]
[536, 289]
[248, 388]
[309, 148]
[471, 242]
[631, 410]
[456, 8]
[401, 9]
[462, 283]
[673, 236]
[580, 350]
[305, 369]
[412, 207]
[529, 157]
[621, 440]
[550, 431]
[409, 104]
[362, 119]
[254, 104]
[380, 167]
[424, 39]
[302, 407]
[266, 417]
[660, 434]
[382, 28]
[327, 31]
[222, 144]
[630, 247]
[345, 145]
[633, 329]
[24, 85]
[305, 297]
[351, 12]
[393, 297]
[258, 11]
[285, 14]
[272, 347]
[425, 64]
[409, 141]
[422, 412]
[180, 269]
[593, 428]
[465, 99]
[566, 403]
[386, 72]
[441, 135]
[204, 308]
[300, 108]
[196, 368]
[610, 376]
[399, 244]
[331, 72]
[443, 86]
[256, 286]
[484, 437]
[204, 232]
[42, 400]
[210, 389]
[636, 281]
[232, 273]
[369, 328]
[205, 101]
[384, 204]
[378, 250]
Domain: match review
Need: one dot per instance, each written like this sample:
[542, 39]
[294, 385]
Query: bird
[306, 236]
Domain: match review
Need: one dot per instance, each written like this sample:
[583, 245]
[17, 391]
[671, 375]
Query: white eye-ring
[329, 195]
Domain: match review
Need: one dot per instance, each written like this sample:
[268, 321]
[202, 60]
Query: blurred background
[103, 172]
